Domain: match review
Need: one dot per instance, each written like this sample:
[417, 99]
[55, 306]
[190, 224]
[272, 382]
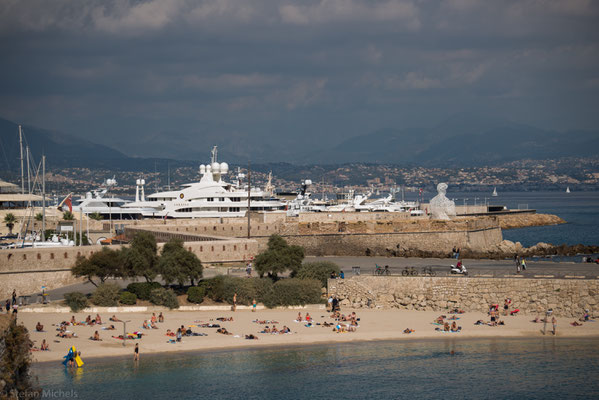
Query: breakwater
[566, 297]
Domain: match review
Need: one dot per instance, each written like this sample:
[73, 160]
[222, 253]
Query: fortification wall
[27, 270]
[567, 298]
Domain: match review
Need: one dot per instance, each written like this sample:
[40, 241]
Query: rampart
[566, 297]
[338, 236]
[27, 270]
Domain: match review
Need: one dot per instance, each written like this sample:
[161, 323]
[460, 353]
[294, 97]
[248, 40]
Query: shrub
[143, 289]
[76, 300]
[294, 292]
[215, 287]
[106, 295]
[320, 270]
[128, 298]
[223, 288]
[195, 294]
[164, 297]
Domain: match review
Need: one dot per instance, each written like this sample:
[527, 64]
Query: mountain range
[463, 140]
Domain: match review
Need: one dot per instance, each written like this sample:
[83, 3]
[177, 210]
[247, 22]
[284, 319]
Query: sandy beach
[373, 325]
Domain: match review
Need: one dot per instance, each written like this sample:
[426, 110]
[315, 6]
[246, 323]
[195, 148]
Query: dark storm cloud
[180, 73]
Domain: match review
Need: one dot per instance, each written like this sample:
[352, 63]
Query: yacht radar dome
[202, 169]
[224, 168]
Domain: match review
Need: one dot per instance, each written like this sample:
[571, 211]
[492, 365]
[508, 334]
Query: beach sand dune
[373, 325]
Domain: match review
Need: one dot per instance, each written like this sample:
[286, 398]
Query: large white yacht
[109, 207]
[210, 197]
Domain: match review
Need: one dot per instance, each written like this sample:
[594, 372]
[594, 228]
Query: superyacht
[211, 197]
[109, 207]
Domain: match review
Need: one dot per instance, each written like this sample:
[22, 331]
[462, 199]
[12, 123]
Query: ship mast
[22, 171]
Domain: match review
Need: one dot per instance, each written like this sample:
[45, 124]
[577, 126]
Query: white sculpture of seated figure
[441, 206]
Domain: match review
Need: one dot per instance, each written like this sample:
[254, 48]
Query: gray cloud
[292, 72]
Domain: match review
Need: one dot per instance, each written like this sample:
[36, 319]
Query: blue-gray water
[538, 368]
[579, 209]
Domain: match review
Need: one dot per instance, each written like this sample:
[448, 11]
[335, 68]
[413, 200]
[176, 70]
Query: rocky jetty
[523, 220]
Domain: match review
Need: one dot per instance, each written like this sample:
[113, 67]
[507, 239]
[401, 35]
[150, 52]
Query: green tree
[141, 259]
[319, 270]
[15, 360]
[9, 220]
[68, 216]
[176, 264]
[39, 216]
[102, 265]
[96, 216]
[278, 258]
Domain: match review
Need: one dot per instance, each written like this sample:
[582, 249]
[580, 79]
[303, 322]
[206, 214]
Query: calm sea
[538, 368]
[579, 209]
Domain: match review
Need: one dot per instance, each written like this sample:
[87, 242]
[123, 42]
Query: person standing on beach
[235, 301]
[554, 323]
[254, 305]
[136, 352]
[523, 264]
[7, 306]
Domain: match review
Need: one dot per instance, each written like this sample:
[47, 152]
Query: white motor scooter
[459, 270]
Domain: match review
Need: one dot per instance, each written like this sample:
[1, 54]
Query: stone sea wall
[567, 298]
[348, 236]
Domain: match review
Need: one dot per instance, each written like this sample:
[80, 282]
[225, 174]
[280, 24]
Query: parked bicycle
[382, 271]
[409, 271]
[428, 271]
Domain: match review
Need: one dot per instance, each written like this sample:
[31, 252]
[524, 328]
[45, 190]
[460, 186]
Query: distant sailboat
[494, 192]
[568, 189]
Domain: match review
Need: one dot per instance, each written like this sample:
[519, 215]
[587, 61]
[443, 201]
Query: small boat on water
[494, 192]
[568, 189]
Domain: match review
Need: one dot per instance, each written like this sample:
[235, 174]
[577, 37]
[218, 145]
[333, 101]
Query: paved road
[483, 268]
[497, 268]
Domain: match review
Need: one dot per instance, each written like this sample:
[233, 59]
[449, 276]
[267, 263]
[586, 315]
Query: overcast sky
[149, 77]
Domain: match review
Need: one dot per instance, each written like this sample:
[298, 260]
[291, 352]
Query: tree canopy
[102, 265]
[278, 258]
[176, 264]
[320, 270]
[96, 216]
[141, 258]
[9, 220]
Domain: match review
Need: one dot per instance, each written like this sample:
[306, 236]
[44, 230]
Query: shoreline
[375, 325]
[295, 345]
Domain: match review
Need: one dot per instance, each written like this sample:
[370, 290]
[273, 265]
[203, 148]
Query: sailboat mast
[28, 172]
[43, 198]
[249, 194]
[21, 148]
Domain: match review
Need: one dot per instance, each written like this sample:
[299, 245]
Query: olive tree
[279, 258]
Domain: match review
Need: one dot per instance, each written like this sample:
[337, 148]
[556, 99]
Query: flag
[68, 202]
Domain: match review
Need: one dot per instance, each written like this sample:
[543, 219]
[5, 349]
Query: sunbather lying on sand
[223, 331]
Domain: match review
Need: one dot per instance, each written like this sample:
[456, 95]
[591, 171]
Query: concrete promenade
[483, 268]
